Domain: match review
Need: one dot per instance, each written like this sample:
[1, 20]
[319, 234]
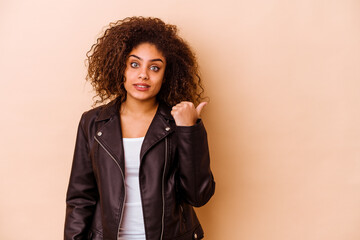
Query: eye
[134, 64]
[154, 68]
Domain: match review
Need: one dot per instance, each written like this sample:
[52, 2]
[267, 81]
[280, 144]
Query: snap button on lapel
[167, 129]
[99, 134]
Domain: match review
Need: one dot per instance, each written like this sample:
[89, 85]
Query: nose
[143, 74]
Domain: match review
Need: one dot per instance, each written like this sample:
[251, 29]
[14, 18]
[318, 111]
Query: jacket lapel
[111, 138]
[110, 134]
[158, 130]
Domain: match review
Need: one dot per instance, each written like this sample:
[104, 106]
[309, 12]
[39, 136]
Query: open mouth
[141, 86]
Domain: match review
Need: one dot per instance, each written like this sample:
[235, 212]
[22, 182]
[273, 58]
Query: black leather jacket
[174, 176]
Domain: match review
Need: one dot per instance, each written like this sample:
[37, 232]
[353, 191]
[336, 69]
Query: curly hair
[107, 60]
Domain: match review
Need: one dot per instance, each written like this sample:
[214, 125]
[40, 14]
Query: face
[144, 73]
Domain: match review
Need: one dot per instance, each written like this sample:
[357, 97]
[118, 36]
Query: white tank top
[132, 224]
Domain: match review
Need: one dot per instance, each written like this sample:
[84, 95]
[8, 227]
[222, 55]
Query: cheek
[160, 82]
[128, 74]
[162, 77]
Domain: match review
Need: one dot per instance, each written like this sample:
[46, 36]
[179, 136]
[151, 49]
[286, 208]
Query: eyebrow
[152, 60]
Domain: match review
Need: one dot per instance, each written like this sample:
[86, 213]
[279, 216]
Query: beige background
[283, 120]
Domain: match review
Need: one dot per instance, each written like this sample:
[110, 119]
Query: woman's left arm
[196, 179]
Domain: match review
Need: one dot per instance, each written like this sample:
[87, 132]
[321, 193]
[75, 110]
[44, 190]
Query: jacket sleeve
[196, 179]
[82, 192]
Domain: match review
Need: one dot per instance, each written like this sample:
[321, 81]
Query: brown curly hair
[107, 60]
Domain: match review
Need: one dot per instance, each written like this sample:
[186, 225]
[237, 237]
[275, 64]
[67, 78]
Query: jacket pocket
[195, 234]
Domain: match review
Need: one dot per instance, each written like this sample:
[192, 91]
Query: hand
[185, 113]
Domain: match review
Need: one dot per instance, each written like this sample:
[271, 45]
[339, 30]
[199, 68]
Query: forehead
[147, 51]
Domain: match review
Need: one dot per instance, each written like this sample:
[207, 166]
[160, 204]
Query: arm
[82, 192]
[196, 179]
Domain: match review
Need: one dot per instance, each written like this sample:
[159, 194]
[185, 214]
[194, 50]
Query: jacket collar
[110, 133]
[112, 108]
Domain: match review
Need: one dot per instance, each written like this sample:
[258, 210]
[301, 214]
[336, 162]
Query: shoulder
[91, 115]
[100, 113]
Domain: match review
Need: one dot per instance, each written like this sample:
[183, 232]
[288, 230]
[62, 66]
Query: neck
[138, 107]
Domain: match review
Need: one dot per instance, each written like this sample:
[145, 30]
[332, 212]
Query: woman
[141, 162]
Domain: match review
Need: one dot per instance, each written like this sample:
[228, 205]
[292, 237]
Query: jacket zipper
[122, 175]
[163, 191]
[163, 186]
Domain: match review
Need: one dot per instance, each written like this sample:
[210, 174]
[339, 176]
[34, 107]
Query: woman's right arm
[82, 194]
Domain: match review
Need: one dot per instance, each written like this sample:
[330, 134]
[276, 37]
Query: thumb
[200, 107]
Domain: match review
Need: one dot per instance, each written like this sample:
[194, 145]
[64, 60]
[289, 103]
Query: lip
[141, 86]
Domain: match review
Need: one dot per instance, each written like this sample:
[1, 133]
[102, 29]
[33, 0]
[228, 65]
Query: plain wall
[283, 119]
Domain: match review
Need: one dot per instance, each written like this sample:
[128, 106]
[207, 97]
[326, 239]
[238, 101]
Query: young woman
[141, 161]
